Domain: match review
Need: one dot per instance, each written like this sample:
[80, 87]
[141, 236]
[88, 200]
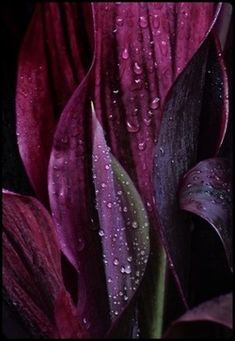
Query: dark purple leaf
[50, 67]
[175, 153]
[72, 204]
[32, 279]
[216, 311]
[215, 104]
[206, 191]
[124, 227]
[223, 23]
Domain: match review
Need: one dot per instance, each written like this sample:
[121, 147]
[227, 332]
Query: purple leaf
[32, 279]
[141, 48]
[124, 67]
[217, 310]
[124, 227]
[49, 69]
[71, 200]
[215, 104]
[175, 153]
[223, 23]
[206, 191]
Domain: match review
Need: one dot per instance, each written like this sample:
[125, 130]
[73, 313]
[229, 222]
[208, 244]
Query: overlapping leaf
[193, 322]
[32, 279]
[124, 227]
[52, 62]
[206, 192]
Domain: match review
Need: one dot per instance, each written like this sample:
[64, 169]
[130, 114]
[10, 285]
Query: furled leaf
[193, 323]
[215, 104]
[124, 227]
[223, 23]
[206, 191]
[32, 279]
[73, 208]
[49, 69]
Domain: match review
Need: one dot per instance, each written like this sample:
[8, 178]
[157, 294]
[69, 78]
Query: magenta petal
[216, 311]
[32, 278]
[206, 192]
[51, 65]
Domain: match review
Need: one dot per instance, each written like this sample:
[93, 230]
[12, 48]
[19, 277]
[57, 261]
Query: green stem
[152, 300]
[157, 324]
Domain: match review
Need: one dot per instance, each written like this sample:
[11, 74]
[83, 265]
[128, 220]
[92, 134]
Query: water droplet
[129, 259]
[125, 209]
[142, 146]
[125, 54]
[119, 21]
[116, 313]
[103, 185]
[137, 68]
[120, 293]
[132, 127]
[150, 113]
[143, 22]
[106, 166]
[125, 297]
[147, 121]
[109, 280]
[80, 244]
[134, 224]
[109, 205]
[115, 261]
[101, 233]
[116, 91]
[149, 206]
[122, 269]
[162, 151]
[127, 269]
[156, 21]
[155, 103]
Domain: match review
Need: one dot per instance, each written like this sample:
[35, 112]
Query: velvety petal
[216, 311]
[215, 103]
[206, 191]
[124, 227]
[32, 278]
[49, 69]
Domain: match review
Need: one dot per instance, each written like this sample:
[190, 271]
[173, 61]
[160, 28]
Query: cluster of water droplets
[122, 233]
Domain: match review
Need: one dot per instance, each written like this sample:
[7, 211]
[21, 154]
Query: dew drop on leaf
[143, 22]
[125, 54]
